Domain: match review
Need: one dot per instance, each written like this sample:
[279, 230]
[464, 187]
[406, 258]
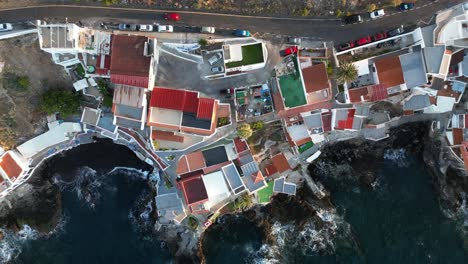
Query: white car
[6, 27]
[146, 28]
[377, 13]
[165, 29]
[208, 30]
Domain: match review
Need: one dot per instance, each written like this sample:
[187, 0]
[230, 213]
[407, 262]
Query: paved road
[325, 29]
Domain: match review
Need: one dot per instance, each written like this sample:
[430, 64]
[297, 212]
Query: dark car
[289, 51]
[352, 19]
[395, 32]
[405, 6]
[241, 33]
[172, 16]
[380, 36]
[345, 46]
[363, 41]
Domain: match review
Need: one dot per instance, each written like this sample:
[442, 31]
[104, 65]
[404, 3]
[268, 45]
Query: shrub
[22, 82]
[339, 13]
[257, 125]
[202, 42]
[244, 130]
[305, 11]
[192, 222]
[371, 7]
[110, 2]
[104, 90]
[222, 121]
[63, 101]
[243, 202]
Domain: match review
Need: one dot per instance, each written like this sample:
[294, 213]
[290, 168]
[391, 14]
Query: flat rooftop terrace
[292, 90]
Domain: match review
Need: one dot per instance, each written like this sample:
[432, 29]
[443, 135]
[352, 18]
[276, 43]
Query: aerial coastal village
[229, 141]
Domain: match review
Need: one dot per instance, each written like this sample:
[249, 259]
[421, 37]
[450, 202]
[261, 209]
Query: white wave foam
[397, 156]
[130, 172]
[10, 246]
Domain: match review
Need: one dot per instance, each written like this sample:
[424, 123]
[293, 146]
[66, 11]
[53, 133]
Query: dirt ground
[19, 115]
[268, 141]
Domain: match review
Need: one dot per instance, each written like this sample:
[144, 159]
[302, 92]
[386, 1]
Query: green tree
[371, 7]
[22, 82]
[339, 13]
[62, 101]
[243, 202]
[192, 222]
[244, 130]
[347, 72]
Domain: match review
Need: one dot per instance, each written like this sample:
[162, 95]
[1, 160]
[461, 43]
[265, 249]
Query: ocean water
[398, 220]
[99, 224]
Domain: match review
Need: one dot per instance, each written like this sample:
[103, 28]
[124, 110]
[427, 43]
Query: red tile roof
[205, 108]
[10, 166]
[138, 81]
[315, 78]
[166, 135]
[389, 71]
[270, 170]
[257, 177]
[182, 165]
[369, 93]
[191, 102]
[348, 122]
[128, 65]
[224, 110]
[280, 162]
[240, 145]
[195, 160]
[408, 112]
[194, 190]
[466, 120]
[457, 136]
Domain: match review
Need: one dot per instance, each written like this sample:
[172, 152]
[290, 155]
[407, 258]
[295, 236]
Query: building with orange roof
[12, 166]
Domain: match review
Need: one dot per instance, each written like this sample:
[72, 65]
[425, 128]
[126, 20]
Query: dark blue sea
[397, 221]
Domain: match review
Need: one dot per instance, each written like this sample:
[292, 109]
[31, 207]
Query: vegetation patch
[106, 94]
[251, 54]
[243, 202]
[222, 121]
[64, 102]
[192, 222]
[16, 82]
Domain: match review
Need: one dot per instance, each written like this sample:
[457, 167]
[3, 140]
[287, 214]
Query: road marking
[164, 11]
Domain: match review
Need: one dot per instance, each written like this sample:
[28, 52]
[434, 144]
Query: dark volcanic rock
[359, 157]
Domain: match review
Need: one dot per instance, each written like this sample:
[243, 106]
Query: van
[208, 30]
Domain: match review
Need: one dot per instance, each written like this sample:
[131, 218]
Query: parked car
[377, 13]
[216, 57]
[218, 69]
[145, 27]
[165, 28]
[208, 30]
[125, 27]
[6, 27]
[405, 6]
[363, 41]
[380, 36]
[345, 46]
[241, 33]
[352, 19]
[227, 91]
[397, 31]
[289, 51]
[294, 41]
[172, 16]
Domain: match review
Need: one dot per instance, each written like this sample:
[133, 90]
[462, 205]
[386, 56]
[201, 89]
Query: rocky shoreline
[37, 203]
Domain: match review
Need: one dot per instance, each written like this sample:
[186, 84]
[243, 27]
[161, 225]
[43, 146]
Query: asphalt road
[320, 29]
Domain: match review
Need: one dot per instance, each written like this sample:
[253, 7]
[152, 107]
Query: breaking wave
[311, 239]
[10, 246]
[398, 156]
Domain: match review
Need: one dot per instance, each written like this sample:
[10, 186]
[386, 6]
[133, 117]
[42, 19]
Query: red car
[289, 51]
[363, 41]
[172, 16]
[379, 36]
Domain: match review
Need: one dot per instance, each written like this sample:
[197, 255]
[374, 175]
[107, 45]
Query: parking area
[177, 72]
[213, 63]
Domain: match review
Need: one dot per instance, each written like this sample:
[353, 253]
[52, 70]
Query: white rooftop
[59, 134]
[216, 187]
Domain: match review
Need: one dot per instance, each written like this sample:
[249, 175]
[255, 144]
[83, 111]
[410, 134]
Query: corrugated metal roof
[232, 176]
[249, 168]
[128, 95]
[278, 185]
[413, 69]
[139, 81]
[313, 121]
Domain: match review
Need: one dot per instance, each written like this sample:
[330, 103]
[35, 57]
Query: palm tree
[347, 72]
